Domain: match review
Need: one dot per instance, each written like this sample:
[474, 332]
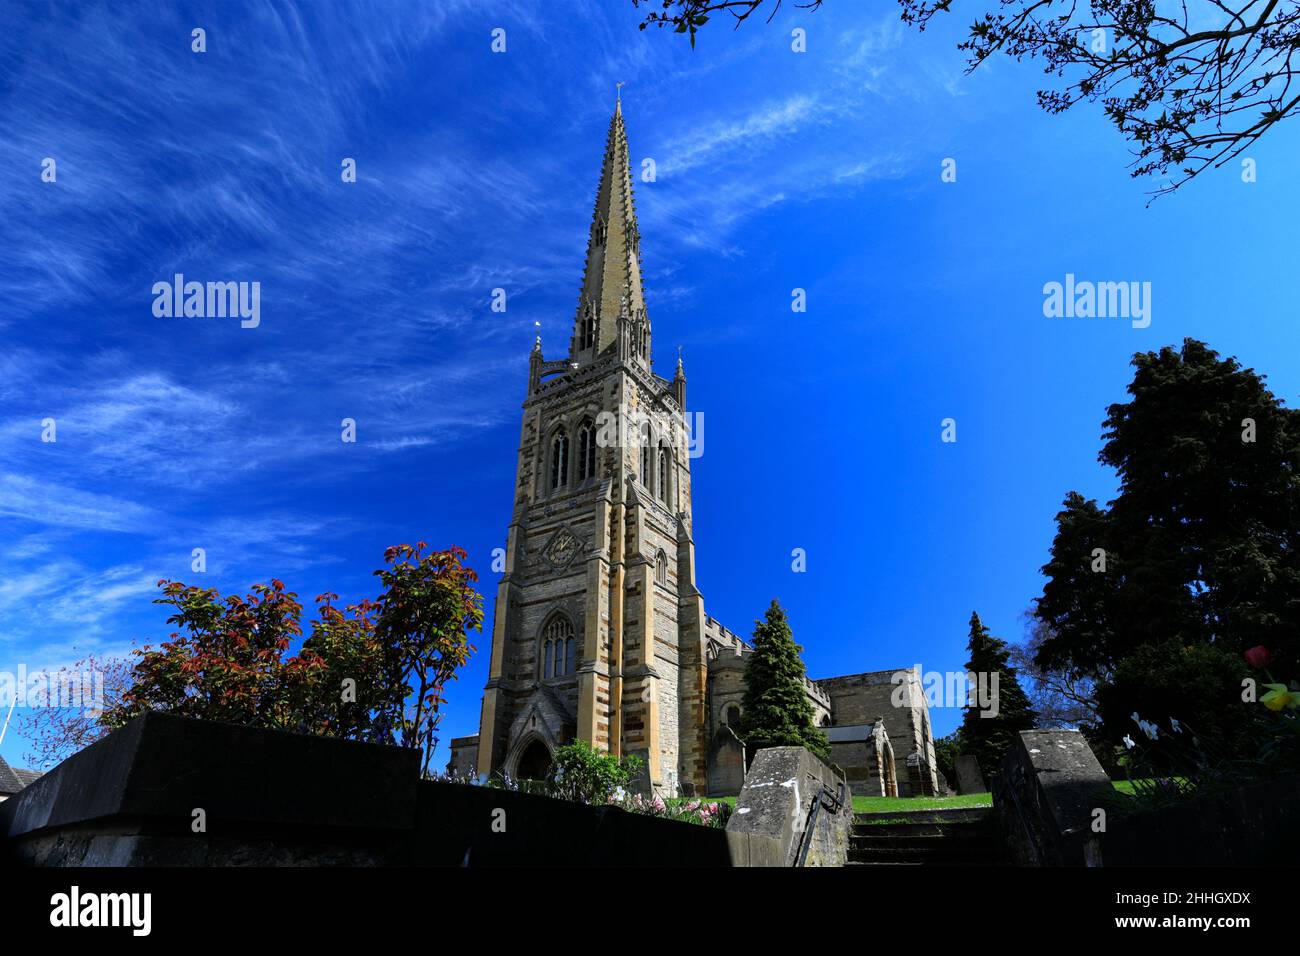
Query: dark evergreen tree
[776, 711]
[1196, 560]
[990, 727]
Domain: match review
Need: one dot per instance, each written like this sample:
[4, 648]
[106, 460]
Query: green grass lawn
[875, 804]
[869, 804]
[878, 804]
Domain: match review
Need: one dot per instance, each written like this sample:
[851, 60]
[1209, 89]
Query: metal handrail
[834, 801]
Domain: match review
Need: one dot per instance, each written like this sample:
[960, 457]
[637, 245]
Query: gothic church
[600, 632]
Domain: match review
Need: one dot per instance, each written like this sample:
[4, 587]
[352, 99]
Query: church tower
[598, 633]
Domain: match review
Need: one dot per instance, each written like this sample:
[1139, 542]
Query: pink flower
[1258, 657]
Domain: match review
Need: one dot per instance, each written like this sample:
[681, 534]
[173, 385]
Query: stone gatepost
[1046, 797]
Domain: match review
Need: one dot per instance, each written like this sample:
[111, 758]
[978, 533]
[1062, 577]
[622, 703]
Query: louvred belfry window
[587, 450]
[647, 450]
[588, 327]
[560, 459]
[664, 475]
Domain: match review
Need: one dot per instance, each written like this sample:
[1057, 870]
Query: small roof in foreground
[10, 782]
[848, 733]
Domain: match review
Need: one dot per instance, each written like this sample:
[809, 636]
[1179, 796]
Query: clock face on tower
[562, 549]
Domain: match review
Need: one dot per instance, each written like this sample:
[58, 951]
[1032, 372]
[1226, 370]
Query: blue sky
[477, 170]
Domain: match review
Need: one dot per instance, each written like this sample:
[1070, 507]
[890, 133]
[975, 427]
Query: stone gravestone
[726, 764]
[969, 778]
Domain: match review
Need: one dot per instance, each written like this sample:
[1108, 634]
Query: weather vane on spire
[618, 91]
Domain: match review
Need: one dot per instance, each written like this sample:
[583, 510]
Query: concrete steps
[966, 837]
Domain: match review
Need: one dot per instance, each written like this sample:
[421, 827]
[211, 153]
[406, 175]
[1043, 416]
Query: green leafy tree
[348, 663]
[989, 727]
[375, 672]
[225, 662]
[776, 710]
[423, 618]
[1200, 549]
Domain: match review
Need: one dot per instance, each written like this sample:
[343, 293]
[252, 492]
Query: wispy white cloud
[88, 600]
[728, 140]
[739, 155]
[45, 503]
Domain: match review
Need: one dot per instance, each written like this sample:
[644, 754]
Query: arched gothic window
[731, 716]
[560, 459]
[557, 651]
[588, 326]
[586, 450]
[661, 569]
[647, 451]
[664, 463]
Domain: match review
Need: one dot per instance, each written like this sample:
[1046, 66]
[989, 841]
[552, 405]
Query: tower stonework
[599, 632]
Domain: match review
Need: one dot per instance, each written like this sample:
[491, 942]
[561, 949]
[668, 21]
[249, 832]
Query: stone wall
[1056, 807]
[1254, 825]
[166, 791]
[268, 798]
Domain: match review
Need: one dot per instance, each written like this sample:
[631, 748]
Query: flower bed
[686, 810]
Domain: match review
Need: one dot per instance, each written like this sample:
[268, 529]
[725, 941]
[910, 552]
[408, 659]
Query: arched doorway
[890, 781]
[534, 762]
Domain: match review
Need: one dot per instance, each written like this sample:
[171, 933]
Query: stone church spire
[611, 308]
